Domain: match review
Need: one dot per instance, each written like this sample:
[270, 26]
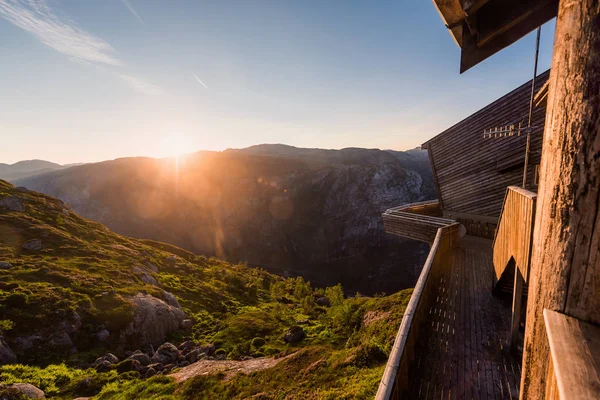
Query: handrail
[395, 377]
[514, 234]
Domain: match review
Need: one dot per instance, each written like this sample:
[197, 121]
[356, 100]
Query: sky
[85, 81]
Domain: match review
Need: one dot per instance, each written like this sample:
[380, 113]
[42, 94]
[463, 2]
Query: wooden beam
[517, 308]
[565, 265]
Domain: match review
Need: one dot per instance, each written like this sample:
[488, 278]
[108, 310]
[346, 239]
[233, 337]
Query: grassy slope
[230, 305]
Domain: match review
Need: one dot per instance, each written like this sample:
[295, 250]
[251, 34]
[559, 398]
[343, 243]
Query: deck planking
[465, 353]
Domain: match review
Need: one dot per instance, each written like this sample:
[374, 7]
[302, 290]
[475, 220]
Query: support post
[565, 265]
[517, 308]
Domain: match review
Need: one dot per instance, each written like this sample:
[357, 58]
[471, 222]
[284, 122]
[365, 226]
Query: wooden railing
[394, 383]
[419, 221]
[514, 234]
[574, 370]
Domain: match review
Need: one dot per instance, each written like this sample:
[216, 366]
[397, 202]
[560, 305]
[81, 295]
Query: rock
[172, 260]
[294, 334]
[7, 356]
[171, 300]
[33, 245]
[323, 301]
[208, 349]
[157, 366]
[5, 265]
[145, 276]
[141, 357]
[186, 346]
[147, 349]
[166, 353]
[151, 372]
[186, 324]
[153, 320]
[110, 357]
[128, 365]
[103, 366]
[194, 356]
[12, 203]
[61, 342]
[28, 390]
[102, 335]
[184, 363]
[152, 267]
[21, 189]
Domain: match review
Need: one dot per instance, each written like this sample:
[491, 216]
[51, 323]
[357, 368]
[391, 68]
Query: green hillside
[65, 281]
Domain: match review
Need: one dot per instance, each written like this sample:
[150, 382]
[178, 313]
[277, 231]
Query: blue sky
[93, 80]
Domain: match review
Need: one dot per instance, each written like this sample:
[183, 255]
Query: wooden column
[517, 308]
[565, 270]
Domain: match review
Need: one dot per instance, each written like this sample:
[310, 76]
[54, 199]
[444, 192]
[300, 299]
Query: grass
[84, 268]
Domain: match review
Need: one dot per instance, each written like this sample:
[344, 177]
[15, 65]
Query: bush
[258, 342]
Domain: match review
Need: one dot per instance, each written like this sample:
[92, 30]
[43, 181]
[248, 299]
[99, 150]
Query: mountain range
[293, 211]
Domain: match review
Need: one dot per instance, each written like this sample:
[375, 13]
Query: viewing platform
[454, 340]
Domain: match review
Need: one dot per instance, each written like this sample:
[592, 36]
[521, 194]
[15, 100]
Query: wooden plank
[575, 350]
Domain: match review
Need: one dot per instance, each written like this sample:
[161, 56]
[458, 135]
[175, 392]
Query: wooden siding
[515, 231]
[472, 172]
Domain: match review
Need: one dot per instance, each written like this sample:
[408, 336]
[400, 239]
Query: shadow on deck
[463, 350]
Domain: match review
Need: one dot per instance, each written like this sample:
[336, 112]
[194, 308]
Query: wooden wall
[472, 172]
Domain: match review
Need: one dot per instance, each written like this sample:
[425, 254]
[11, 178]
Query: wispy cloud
[62, 35]
[127, 4]
[200, 81]
[141, 85]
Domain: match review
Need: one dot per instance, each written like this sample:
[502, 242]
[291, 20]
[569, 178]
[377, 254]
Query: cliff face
[293, 211]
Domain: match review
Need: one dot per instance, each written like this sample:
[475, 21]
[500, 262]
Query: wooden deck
[464, 353]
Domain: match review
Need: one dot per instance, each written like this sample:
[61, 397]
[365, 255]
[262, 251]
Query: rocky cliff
[294, 211]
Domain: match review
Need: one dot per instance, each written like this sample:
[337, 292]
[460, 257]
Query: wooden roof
[483, 27]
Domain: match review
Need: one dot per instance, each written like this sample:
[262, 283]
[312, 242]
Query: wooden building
[472, 170]
[456, 339]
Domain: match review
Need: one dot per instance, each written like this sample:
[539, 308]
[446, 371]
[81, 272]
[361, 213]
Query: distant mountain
[24, 169]
[293, 211]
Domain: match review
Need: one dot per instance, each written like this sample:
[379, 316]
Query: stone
[7, 356]
[186, 346]
[150, 373]
[208, 349]
[103, 366]
[147, 348]
[171, 300]
[128, 365]
[28, 390]
[294, 334]
[184, 363]
[12, 203]
[141, 357]
[21, 189]
[145, 276]
[152, 267]
[153, 320]
[33, 245]
[194, 356]
[186, 324]
[61, 341]
[5, 265]
[323, 301]
[166, 353]
[157, 366]
[103, 335]
[110, 357]
[172, 260]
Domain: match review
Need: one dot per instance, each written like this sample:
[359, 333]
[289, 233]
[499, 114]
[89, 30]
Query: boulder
[184, 363]
[141, 357]
[208, 349]
[145, 276]
[186, 324]
[7, 356]
[157, 366]
[171, 300]
[151, 266]
[194, 356]
[103, 366]
[21, 189]
[102, 335]
[167, 353]
[33, 245]
[12, 203]
[294, 334]
[128, 365]
[186, 346]
[150, 373]
[5, 265]
[323, 301]
[153, 320]
[28, 390]
[61, 342]
[111, 358]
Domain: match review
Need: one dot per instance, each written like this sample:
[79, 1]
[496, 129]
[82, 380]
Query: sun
[175, 145]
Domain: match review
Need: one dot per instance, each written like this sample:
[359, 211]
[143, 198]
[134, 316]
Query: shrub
[258, 342]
